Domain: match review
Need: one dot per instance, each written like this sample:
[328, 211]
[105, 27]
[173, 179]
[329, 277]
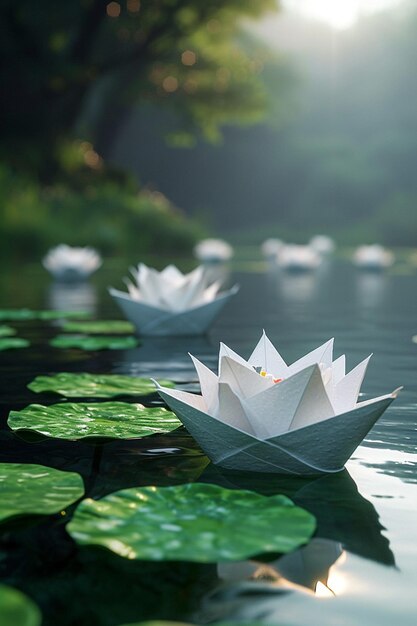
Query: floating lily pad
[16, 609]
[100, 327]
[17, 314]
[193, 522]
[11, 343]
[94, 385]
[29, 314]
[59, 315]
[36, 490]
[6, 331]
[100, 342]
[103, 420]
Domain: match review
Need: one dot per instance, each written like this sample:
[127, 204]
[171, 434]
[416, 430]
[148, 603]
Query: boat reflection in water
[343, 515]
[292, 586]
[65, 296]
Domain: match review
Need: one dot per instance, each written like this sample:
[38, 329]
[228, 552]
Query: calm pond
[361, 566]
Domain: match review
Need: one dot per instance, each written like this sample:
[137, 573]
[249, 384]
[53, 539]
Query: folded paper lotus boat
[170, 303]
[373, 258]
[264, 416]
[67, 263]
[213, 251]
[296, 258]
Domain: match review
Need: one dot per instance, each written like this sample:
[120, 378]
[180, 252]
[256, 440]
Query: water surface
[361, 566]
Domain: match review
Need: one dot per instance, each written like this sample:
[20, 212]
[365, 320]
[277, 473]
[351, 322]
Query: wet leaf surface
[104, 342]
[94, 385]
[27, 489]
[16, 609]
[100, 327]
[195, 522]
[103, 420]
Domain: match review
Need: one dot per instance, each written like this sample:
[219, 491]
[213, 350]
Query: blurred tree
[63, 58]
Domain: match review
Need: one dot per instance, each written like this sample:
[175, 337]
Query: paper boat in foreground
[171, 303]
[304, 419]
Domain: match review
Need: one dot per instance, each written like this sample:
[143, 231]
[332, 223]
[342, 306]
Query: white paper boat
[322, 244]
[374, 257]
[171, 303]
[150, 320]
[67, 263]
[271, 247]
[213, 251]
[295, 258]
[305, 419]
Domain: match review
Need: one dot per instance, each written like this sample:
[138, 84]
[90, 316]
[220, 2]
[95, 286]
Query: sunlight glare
[339, 14]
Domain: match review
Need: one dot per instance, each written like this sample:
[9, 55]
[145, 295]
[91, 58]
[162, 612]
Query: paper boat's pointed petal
[230, 410]
[211, 292]
[387, 396]
[268, 358]
[243, 380]
[346, 391]
[295, 402]
[189, 399]
[322, 354]
[338, 369]
[216, 438]
[152, 321]
[172, 273]
[209, 384]
[226, 351]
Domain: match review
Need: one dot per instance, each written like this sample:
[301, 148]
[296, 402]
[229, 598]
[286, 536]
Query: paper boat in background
[67, 263]
[295, 258]
[171, 303]
[271, 247]
[373, 257]
[322, 244]
[264, 416]
[213, 251]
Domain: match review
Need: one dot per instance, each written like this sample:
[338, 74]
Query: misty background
[336, 152]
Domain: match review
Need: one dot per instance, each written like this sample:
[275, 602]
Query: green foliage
[194, 522]
[103, 420]
[29, 314]
[16, 609]
[36, 490]
[98, 342]
[13, 343]
[115, 219]
[100, 327]
[94, 55]
[95, 385]
[6, 331]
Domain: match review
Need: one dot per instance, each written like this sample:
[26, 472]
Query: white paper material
[310, 422]
[71, 263]
[374, 257]
[213, 251]
[152, 321]
[296, 257]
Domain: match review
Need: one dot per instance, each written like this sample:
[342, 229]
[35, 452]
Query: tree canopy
[64, 59]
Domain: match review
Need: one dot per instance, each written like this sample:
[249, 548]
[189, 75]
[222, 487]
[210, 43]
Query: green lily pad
[103, 420]
[36, 490]
[59, 315]
[16, 609]
[94, 385]
[192, 522]
[100, 342]
[100, 327]
[6, 331]
[29, 314]
[11, 343]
